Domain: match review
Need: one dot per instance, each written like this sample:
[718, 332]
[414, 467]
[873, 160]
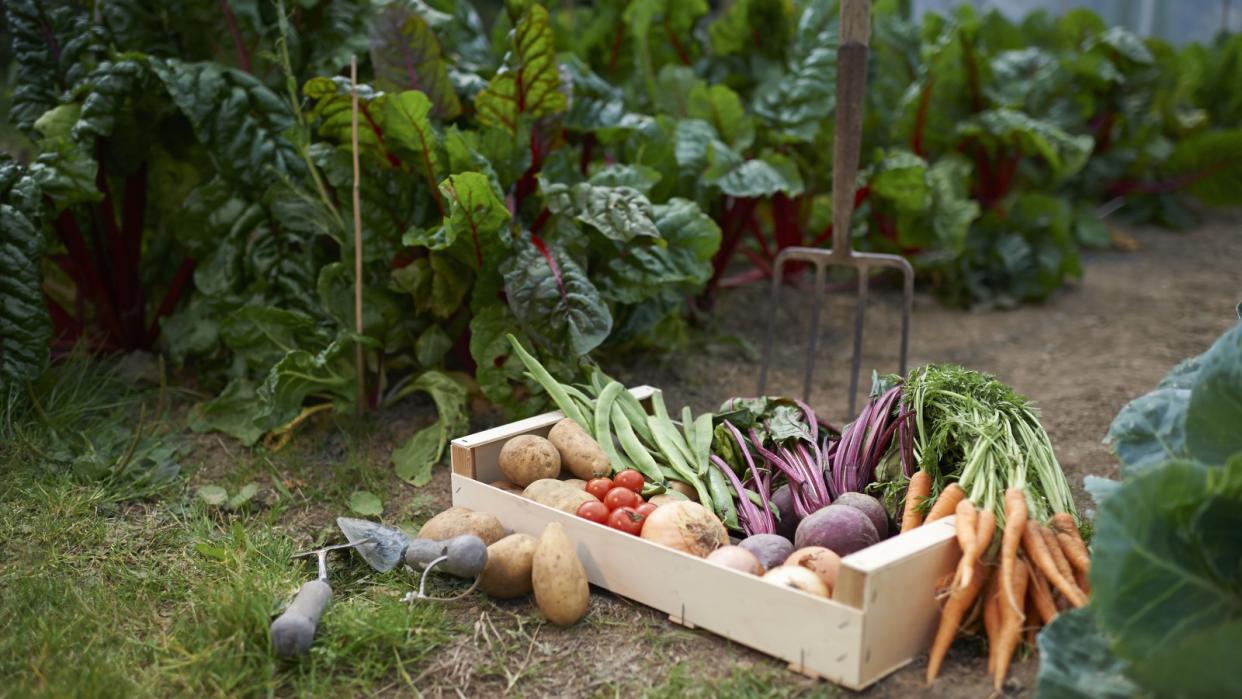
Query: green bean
[636, 415]
[665, 434]
[702, 445]
[551, 385]
[634, 449]
[722, 498]
[603, 425]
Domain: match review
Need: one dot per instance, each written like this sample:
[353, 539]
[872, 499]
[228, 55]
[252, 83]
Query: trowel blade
[386, 547]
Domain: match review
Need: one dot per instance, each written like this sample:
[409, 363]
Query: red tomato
[645, 509]
[594, 511]
[626, 519]
[629, 478]
[622, 497]
[599, 487]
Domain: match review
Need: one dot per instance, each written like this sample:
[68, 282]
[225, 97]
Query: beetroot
[870, 507]
[839, 528]
[788, 522]
[770, 549]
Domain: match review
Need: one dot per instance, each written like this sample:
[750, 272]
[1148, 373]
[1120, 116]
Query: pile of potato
[519, 564]
[532, 466]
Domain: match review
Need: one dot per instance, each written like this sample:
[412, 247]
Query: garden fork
[851, 89]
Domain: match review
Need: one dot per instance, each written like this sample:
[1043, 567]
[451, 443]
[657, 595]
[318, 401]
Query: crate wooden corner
[882, 615]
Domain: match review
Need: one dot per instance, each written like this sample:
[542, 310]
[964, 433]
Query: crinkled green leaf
[805, 93]
[262, 335]
[1064, 154]
[380, 312]
[365, 503]
[639, 177]
[596, 103]
[1165, 576]
[1212, 162]
[450, 281]
[431, 346]
[328, 374]
[192, 332]
[761, 177]
[414, 459]
[734, 30]
[953, 210]
[619, 213]
[1150, 430]
[496, 369]
[475, 212]
[900, 177]
[1214, 412]
[553, 299]
[528, 85]
[25, 328]
[1076, 661]
[52, 47]
[231, 412]
[722, 108]
[405, 54]
[680, 259]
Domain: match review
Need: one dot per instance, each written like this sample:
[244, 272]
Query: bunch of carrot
[1042, 569]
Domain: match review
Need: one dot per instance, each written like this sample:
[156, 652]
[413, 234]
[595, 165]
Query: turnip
[737, 558]
[870, 507]
[770, 549]
[839, 528]
[788, 522]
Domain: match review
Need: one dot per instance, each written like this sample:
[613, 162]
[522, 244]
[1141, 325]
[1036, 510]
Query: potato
[557, 494]
[509, 561]
[506, 485]
[456, 521]
[580, 453]
[526, 458]
[575, 482]
[685, 489]
[558, 578]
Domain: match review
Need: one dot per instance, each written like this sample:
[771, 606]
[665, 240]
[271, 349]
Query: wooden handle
[847, 142]
[294, 631]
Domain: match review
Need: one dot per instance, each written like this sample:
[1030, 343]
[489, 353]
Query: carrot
[959, 602]
[983, 539]
[916, 493]
[1042, 596]
[1011, 539]
[1071, 542]
[1037, 549]
[991, 619]
[1011, 624]
[1084, 583]
[966, 538]
[946, 503]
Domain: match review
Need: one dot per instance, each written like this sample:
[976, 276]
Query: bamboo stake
[359, 360]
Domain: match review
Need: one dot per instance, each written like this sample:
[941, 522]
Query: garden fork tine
[851, 90]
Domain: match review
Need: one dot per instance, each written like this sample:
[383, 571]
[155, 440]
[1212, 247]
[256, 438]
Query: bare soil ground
[1081, 356]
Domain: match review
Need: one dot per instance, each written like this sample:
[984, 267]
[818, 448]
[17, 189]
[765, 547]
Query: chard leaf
[680, 259]
[231, 412]
[240, 120]
[1212, 162]
[639, 177]
[450, 281]
[722, 108]
[328, 374]
[805, 93]
[900, 177]
[431, 346]
[52, 47]
[553, 299]
[619, 213]
[497, 369]
[1077, 662]
[25, 327]
[405, 54]
[761, 177]
[1214, 412]
[734, 30]
[406, 125]
[1005, 128]
[414, 459]
[475, 211]
[596, 103]
[380, 312]
[528, 85]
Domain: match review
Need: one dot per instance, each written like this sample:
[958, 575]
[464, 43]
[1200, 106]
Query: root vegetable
[737, 558]
[527, 458]
[506, 485]
[1037, 550]
[946, 503]
[955, 608]
[841, 528]
[456, 521]
[787, 523]
[508, 571]
[965, 526]
[798, 578]
[818, 560]
[1041, 596]
[770, 549]
[686, 526]
[991, 618]
[576, 482]
[868, 506]
[1054, 549]
[1075, 550]
[1011, 625]
[665, 498]
[558, 494]
[558, 578]
[579, 452]
[1011, 539]
[916, 493]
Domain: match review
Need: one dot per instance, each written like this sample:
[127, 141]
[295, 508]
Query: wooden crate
[882, 614]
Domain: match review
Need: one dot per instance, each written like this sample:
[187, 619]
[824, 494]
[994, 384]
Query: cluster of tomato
[620, 503]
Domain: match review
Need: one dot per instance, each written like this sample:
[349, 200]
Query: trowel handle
[293, 631]
[464, 556]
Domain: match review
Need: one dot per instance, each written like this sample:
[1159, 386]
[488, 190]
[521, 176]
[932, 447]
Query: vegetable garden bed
[881, 616]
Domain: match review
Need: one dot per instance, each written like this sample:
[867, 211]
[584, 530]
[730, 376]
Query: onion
[798, 578]
[819, 560]
[686, 526]
[737, 558]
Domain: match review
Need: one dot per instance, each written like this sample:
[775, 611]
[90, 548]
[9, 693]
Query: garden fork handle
[847, 140]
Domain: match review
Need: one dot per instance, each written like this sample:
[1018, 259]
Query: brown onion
[685, 526]
[819, 560]
[737, 558]
[798, 578]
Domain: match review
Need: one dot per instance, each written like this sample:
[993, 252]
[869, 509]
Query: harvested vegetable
[508, 571]
[527, 458]
[916, 492]
[955, 608]
[798, 578]
[838, 528]
[456, 521]
[685, 526]
[1036, 547]
[946, 503]
[1015, 526]
[558, 578]
[868, 506]
[984, 530]
[770, 549]
[818, 560]
[557, 494]
[787, 519]
[737, 558]
[579, 451]
[1010, 632]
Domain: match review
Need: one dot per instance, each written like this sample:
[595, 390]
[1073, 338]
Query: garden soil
[1080, 356]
